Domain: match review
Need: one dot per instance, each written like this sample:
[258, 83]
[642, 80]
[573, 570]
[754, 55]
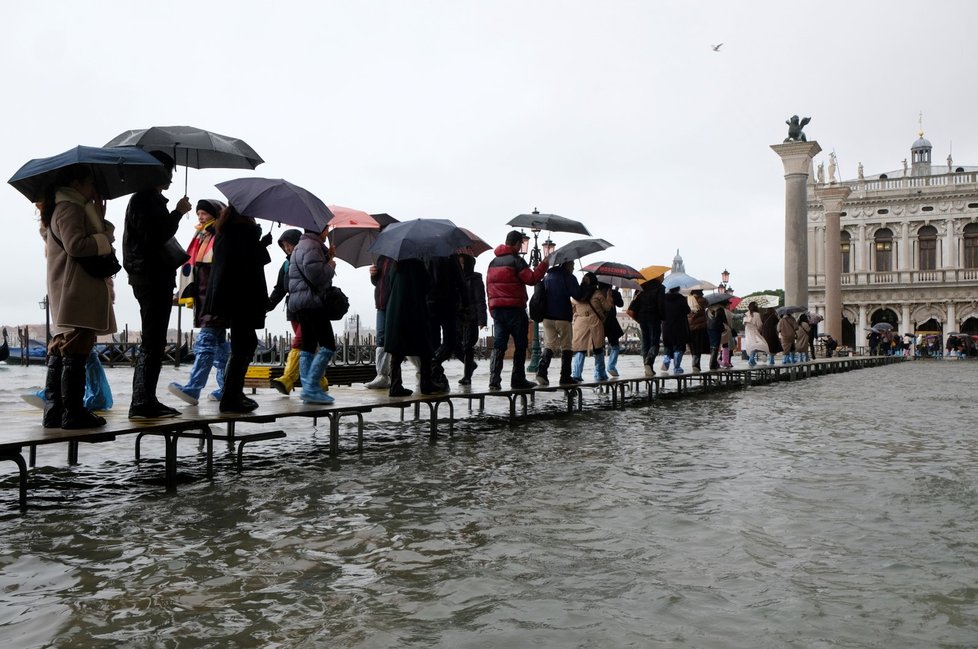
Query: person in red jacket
[506, 283]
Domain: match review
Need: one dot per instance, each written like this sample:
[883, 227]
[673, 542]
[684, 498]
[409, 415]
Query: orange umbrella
[651, 272]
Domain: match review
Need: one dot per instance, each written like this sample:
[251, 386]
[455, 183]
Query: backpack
[538, 302]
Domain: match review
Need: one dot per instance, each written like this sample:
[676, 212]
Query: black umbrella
[118, 171]
[577, 249]
[880, 327]
[718, 298]
[192, 147]
[274, 199]
[781, 310]
[420, 239]
[551, 222]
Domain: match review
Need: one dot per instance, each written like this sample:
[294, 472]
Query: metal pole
[535, 258]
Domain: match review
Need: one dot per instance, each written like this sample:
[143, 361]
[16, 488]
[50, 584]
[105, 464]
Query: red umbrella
[351, 232]
[613, 269]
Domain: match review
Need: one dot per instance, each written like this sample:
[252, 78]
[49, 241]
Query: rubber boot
[613, 352]
[543, 366]
[677, 360]
[145, 376]
[234, 400]
[714, 358]
[725, 358]
[577, 368]
[517, 379]
[397, 388]
[222, 353]
[204, 347]
[468, 366]
[566, 361]
[752, 358]
[290, 374]
[496, 369]
[312, 372]
[696, 362]
[771, 358]
[439, 381]
[74, 415]
[98, 394]
[383, 364]
[666, 359]
[600, 374]
[52, 393]
[427, 383]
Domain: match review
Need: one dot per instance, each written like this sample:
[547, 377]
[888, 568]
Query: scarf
[69, 195]
[201, 249]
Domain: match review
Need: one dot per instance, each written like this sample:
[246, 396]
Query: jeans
[510, 321]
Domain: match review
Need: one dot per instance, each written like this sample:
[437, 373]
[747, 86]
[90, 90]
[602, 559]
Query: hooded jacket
[508, 276]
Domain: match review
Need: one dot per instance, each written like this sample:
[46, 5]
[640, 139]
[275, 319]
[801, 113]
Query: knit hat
[211, 206]
[290, 236]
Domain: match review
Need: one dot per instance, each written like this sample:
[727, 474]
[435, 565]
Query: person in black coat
[237, 293]
[149, 226]
[471, 317]
[446, 295]
[612, 328]
[408, 332]
[675, 329]
[647, 310]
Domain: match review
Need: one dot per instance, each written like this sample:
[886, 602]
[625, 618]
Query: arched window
[927, 247]
[846, 245]
[884, 250]
[971, 245]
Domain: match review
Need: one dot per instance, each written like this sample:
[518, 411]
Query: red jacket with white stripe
[508, 277]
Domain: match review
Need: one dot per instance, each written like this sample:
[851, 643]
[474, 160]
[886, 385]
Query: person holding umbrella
[788, 332]
[699, 340]
[506, 283]
[558, 333]
[211, 345]
[588, 327]
[81, 304]
[648, 310]
[236, 294]
[612, 328]
[311, 272]
[149, 226]
[675, 329]
[754, 341]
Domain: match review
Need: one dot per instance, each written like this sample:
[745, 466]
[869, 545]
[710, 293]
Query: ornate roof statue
[795, 125]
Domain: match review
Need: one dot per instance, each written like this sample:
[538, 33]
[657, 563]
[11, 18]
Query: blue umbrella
[420, 239]
[118, 171]
[682, 280]
[274, 199]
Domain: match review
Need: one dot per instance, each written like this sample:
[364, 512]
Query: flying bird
[716, 48]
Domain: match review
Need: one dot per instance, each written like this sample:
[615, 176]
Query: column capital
[796, 156]
[833, 197]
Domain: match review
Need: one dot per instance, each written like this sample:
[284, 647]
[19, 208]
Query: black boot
[496, 369]
[397, 388]
[438, 379]
[469, 365]
[714, 361]
[428, 384]
[144, 379]
[566, 362]
[543, 366]
[234, 400]
[75, 414]
[517, 380]
[696, 362]
[52, 393]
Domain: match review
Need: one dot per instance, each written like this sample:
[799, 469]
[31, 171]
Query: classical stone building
[909, 247]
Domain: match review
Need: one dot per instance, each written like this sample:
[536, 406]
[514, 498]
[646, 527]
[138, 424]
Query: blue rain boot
[665, 363]
[221, 355]
[311, 370]
[613, 352]
[752, 359]
[98, 394]
[771, 358]
[577, 366]
[204, 347]
[677, 359]
[599, 369]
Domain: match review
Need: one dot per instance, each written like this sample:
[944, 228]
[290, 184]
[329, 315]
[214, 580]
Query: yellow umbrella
[651, 272]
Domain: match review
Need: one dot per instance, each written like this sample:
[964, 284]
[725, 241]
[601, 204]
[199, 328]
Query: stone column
[861, 327]
[907, 326]
[833, 198]
[797, 160]
[952, 318]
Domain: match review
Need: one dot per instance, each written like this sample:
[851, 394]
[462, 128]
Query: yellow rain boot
[290, 374]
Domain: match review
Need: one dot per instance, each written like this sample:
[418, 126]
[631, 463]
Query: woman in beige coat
[588, 326]
[81, 304]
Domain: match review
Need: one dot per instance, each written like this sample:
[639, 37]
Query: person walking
[648, 309]
[803, 334]
[769, 329]
[728, 337]
[588, 327]
[380, 277]
[699, 341]
[506, 283]
[237, 295]
[560, 287]
[675, 329]
[311, 272]
[788, 332]
[211, 347]
[472, 316]
[81, 304]
[408, 332]
[753, 339]
[149, 226]
[287, 241]
[446, 295]
[612, 328]
[716, 322]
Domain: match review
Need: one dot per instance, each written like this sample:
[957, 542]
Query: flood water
[840, 511]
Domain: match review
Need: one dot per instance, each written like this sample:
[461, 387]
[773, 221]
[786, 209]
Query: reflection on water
[834, 512]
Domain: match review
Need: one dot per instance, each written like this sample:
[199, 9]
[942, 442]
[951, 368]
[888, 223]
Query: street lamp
[535, 258]
[47, 319]
[725, 286]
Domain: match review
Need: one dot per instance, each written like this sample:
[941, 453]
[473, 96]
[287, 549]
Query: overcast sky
[617, 114]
